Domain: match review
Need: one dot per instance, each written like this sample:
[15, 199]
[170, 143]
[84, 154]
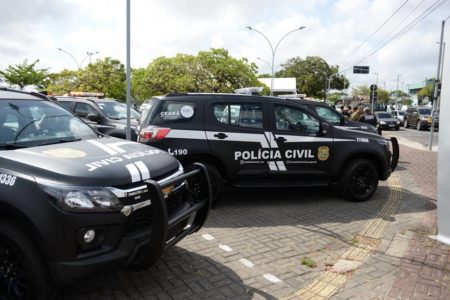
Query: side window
[239, 114]
[293, 119]
[175, 112]
[65, 104]
[328, 114]
[83, 109]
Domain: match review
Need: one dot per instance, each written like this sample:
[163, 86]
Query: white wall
[444, 149]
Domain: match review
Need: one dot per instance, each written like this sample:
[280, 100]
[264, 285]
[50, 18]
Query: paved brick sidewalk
[424, 271]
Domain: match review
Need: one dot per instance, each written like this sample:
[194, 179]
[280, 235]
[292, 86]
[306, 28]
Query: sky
[337, 31]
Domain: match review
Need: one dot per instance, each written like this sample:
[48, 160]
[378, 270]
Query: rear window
[174, 112]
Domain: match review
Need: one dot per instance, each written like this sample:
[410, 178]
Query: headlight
[382, 122]
[75, 198]
[397, 122]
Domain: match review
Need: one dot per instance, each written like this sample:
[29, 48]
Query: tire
[359, 180]
[26, 274]
[217, 182]
[419, 125]
[405, 123]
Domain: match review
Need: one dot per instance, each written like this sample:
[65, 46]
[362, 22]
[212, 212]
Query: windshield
[26, 123]
[117, 111]
[401, 113]
[384, 116]
[424, 111]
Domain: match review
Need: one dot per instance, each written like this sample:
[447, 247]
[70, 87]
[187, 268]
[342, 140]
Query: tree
[209, 71]
[63, 82]
[362, 90]
[427, 91]
[24, 74]
[104, 76]
[312, 75]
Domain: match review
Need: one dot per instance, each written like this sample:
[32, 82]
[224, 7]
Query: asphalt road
[419, 138]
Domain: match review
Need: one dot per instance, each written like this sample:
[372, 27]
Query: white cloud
[165, 28]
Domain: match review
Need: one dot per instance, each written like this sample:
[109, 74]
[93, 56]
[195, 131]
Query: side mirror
[93, 118]
[324, 128]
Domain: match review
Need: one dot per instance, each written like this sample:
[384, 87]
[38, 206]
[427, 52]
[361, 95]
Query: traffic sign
[360, 69]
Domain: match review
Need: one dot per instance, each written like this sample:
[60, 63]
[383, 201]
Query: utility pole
[397, 91]
[436, 96]
[128, 131]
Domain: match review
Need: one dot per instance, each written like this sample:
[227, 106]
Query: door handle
[221, 135]
[281, 139]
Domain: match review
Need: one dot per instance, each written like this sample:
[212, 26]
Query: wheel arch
[205, 158]
[373, 157]
[8, 212]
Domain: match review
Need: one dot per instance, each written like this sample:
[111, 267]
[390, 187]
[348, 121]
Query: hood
[388, 120]
[98, 162]
[358, 126]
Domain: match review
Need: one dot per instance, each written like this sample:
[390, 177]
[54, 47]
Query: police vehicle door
[236, 135]
[82, 110]
[305, 150]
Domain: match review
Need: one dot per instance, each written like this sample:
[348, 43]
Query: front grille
[139, 220]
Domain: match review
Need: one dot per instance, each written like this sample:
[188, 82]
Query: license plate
[391, 125]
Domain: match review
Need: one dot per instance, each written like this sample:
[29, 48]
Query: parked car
[399, 115]
[386, 121]
[107, 116]
[420, 118]
[74, 203]
[254, 141]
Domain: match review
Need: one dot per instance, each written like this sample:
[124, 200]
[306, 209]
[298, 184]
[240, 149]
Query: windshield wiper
[11, 145]
[60, 141]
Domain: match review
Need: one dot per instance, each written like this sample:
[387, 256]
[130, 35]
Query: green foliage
[312, 75]
[398, 94]
[210, 71]
[104, 76]
[427, 91]
[362, 90]
[308, 261]
[24, 74]
[63, 82]
[383, 96]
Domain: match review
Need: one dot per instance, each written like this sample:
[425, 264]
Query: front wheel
[359, 180]
[22, 270]
[217, 181]
[419, 125]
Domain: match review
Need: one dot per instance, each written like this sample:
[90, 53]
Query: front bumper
[144, 248]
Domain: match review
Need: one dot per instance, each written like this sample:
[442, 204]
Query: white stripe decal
[271, 139]
[281, 166]
[134, 172]
[116, 147]
[303, 139]
[186, 134]
[103, 147]
[143, 169]
[272, 166]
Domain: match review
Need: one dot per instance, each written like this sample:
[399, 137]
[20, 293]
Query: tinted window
[83, 109]
[425, 111]
[244, 115]
[329, 115]
[174, 112]
[384, 115]
[117, 110]
[65, 104]
[293, 119]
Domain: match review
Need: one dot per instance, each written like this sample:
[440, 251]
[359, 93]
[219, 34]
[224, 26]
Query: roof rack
[256, 90]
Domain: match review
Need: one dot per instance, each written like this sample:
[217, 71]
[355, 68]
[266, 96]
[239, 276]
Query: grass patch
[354, 241]
[309, 262]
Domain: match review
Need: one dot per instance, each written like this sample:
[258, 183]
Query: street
[414, 138]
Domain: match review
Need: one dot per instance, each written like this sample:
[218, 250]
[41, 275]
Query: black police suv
[73, 203]
[257, 141]
[107, 116]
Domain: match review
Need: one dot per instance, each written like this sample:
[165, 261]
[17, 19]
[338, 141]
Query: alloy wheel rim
[14, 277]
[362, 183]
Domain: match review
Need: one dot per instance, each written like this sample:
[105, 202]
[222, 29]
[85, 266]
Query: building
[281, 85]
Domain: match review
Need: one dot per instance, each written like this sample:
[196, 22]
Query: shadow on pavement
[179, 274]
[264, 207]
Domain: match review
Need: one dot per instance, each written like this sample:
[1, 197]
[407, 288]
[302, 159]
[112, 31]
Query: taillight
[153, 133]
